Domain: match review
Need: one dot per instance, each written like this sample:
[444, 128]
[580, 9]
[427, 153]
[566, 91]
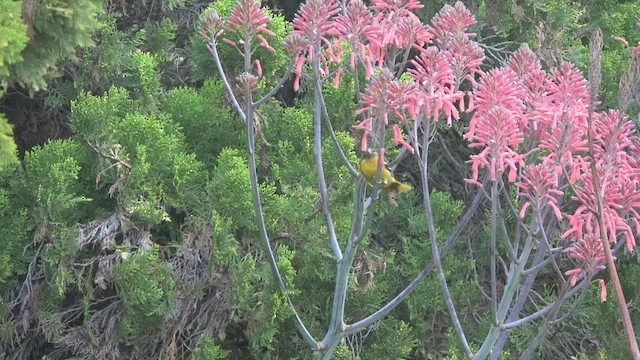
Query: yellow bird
[388, 183]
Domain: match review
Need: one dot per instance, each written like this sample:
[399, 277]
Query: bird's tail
[398, 187]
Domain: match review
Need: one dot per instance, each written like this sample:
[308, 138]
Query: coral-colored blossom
[540, 186]
[528, 69]
[387, 100]
[498, 133]
[313, 26]
[563, 119]
[357, 27]
[603, 291]
[618, 176]
[376, 102]
[495, 125]
[436, 90]
[574, 275]
[398, 138]
[365, 126]
[465, 57]
[451, 20]
[524, 61]
[212, 25]
[620, 39]
[497, 88]
[400, 27]
[438, 70]
[248, 21]
[589, 254]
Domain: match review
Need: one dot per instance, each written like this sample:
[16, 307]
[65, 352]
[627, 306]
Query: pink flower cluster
[615, 154]
[495, 125]
[544, 111]
[539, 188]
[435, 73]
[313, 27]
[248, 24]
[589, 253]
[385, 97]
[519, 110]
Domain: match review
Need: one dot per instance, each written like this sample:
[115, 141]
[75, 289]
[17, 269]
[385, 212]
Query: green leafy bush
[147, 289]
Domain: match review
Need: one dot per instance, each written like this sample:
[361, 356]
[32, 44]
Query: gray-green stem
[434, 241]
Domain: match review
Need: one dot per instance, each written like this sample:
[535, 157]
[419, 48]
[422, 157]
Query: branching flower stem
[248, 118]
[523, 294]
[494, 251]
[257, 202]
[213, 48]
[547, 245]
[359, 229]
[322, 182]
[530, 275]
[283, 80]
[554, 308]
[327, 122]
[434, 242]
[512, 283]
[393, 303]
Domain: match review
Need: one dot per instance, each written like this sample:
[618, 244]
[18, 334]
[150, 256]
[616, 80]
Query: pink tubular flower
[212, 26]
[376, 98]
[376, 102]
[399, 29]
[620, 39]
[412, 33]
[528, 70]
[539, 185]
[563, 118]
[449, 31]
[574, 275]
[603, 290]
[393, 6]
[249, 21]
[432, 71]
[589, 254]
[313, 25]
[495, 125]
[449, 22]
[618, 176]
[583, 220]
[314, 21]
[386, 100]
[381, 159]
[398, 138]
[356, 26]
[524, 61]
[498, 133]
[497, 88]
[465, 57]
[436, 86]
[614, 139]
[401, 97]
[365, 126]
[391, 15]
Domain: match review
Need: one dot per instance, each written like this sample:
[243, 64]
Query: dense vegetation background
[127, 227]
